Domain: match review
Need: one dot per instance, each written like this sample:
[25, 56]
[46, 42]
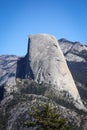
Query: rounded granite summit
[46, 64]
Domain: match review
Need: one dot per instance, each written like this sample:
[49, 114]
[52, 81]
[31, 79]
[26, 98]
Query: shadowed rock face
[47, 64]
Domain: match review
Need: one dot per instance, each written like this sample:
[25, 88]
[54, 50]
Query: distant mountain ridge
[76, 57]
[76, 49]
[8, 65]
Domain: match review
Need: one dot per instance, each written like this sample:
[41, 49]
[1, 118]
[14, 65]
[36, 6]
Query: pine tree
[46, 118]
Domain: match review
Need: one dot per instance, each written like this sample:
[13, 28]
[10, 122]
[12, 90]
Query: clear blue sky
[61, 18]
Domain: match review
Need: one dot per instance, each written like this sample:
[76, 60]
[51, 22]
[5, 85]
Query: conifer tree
[46, 118]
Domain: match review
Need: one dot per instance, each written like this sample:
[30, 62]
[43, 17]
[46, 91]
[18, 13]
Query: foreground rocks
[15, 109]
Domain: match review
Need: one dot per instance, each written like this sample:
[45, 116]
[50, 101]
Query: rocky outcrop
[11, 67]
[16, 109]
[46, 63]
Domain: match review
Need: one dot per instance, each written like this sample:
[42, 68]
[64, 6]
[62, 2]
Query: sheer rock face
[46, 63]
[76, 57]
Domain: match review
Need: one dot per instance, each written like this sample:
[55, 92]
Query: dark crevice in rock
[2, 90]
